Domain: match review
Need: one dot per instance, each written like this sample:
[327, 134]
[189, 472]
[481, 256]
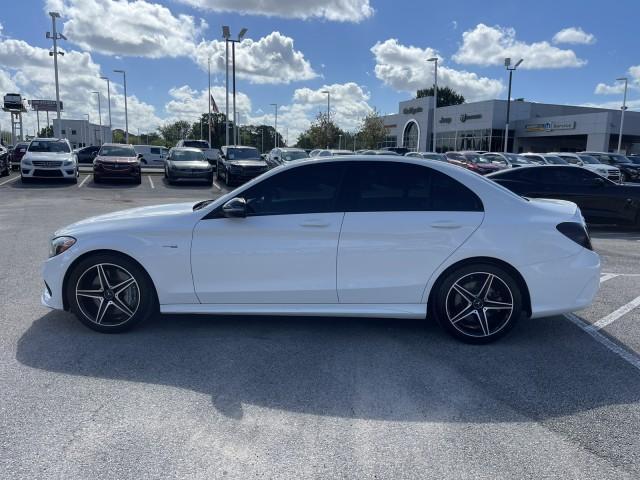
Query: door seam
[337, 253]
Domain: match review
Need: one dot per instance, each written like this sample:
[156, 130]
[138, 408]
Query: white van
[152, 156]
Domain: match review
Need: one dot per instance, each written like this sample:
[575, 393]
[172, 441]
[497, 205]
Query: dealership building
[533, 127]
[82, 133]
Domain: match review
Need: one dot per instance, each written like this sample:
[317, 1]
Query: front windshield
[555, 160]
[588, 159]
[50, 146]
[290, 156]
[196, 144]
[635, 160]
[186, 155]
[475, 158]
[619, 158]
[117, 151]
[242, 153]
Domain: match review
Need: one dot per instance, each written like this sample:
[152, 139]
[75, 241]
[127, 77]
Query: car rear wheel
[478, 303]
[110, 294]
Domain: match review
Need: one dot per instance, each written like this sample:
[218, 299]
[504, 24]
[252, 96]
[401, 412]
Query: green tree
[322, 133]
[172, 132]
[372, 132]
[446, 96]
[46, 132]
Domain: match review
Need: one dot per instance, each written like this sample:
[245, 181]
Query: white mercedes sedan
[362, 236]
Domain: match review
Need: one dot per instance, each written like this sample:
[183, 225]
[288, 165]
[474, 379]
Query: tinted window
[155, 151]
[195, 144]
[394, 186]
[56, 146]
[566, 176]
[117, 151]
[306, 189]
[242, 153]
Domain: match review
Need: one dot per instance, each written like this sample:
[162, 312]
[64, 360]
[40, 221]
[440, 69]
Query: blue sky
[369, 53]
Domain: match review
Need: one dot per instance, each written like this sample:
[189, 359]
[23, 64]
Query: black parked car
[629, 171]
[238, 164]
[600, 200]
[87, 154]
[187, 164]
[5, 163]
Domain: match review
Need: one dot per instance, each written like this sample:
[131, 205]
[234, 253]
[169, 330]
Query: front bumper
[245, 174]
[53, 271]
[190, 174]
[123, 171]
[563, 285]
[35, 171]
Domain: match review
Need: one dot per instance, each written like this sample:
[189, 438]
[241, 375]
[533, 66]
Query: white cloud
[617, 88]
[404, 68]
[349, 104]
[615, 105]
[31, 71]
[485, 45]
[334, 10]
[574, 35]
[132, 28]
[271, 59]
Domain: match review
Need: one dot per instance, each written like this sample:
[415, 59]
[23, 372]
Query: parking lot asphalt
[266, 397]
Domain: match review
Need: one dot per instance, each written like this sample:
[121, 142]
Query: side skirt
[410, 310]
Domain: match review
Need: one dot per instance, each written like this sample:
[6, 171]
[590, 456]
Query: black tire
[96, 179]
[74, 179]
[210, 180]
[218, 170]
[138, 298]
[138, 180]
[24, 179]
[474, 311]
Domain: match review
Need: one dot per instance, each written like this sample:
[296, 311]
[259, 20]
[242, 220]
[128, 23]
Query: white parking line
[600, 338]
[83, 181]
[10, 180]
[217, 186]
[613, 316]
[151, 182]
[608, 276]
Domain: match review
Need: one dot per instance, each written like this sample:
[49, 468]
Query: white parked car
[49, 158]
[282, 155]
[379, 236]
[590, 163]
[544, 159]
[152, 156]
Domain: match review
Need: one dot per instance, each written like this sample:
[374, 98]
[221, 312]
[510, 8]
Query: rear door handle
[446, 225]
[317, 224]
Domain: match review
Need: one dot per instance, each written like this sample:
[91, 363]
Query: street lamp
[624, 107]
[55, 36]
[109, 105]
[226, 34]
[435, 102]
[340, 142]
[507, 64]
[126, 113]
[328, 112]
[100, 118]
[275, 105]
[88, 132]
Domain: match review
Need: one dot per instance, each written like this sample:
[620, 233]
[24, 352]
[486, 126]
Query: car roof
[117, 145]
[239, 146]
[187, 149]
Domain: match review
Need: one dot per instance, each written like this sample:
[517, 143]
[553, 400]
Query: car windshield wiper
[201, 204]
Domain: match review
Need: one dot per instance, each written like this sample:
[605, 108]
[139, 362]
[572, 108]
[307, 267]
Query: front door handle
[445, 225]
[315, 223]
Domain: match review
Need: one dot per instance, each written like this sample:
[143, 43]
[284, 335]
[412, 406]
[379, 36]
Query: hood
[248, 163]
[117, 159]
[196, 164]
[131, 218]
[48, 156]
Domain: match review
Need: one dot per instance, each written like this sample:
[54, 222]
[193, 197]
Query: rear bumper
[564, 285]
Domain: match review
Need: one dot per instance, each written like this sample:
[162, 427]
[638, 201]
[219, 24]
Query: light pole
[100, 118]
[88, 129]
[126, 113]
[435, 103]
[55, 36]
[328, 112]
[275, 106]
[624, 107]
[209, 100]
[109, 105]
[226, 34]
[340, 142]
[507, 64]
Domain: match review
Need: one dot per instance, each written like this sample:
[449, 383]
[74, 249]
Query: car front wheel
[478, 303]
[110, 294]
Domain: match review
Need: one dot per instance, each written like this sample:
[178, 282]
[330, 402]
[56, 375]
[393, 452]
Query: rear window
[242, 153]
[196, 144]
[53, 146]
[117, 151]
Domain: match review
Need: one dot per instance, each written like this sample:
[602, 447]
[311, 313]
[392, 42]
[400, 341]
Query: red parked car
[473, 161]
[17, 153]
[117, 161]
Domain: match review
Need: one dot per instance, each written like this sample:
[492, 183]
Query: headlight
[26, 161]
[60, 245]
[68, 163]
[601, 170]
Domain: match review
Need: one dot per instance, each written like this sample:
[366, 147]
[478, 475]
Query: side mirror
[235, 208]
[139, 155]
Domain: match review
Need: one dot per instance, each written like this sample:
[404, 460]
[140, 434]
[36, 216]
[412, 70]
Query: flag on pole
[214, 107]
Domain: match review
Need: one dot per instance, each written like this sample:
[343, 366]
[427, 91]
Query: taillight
[576, 232]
